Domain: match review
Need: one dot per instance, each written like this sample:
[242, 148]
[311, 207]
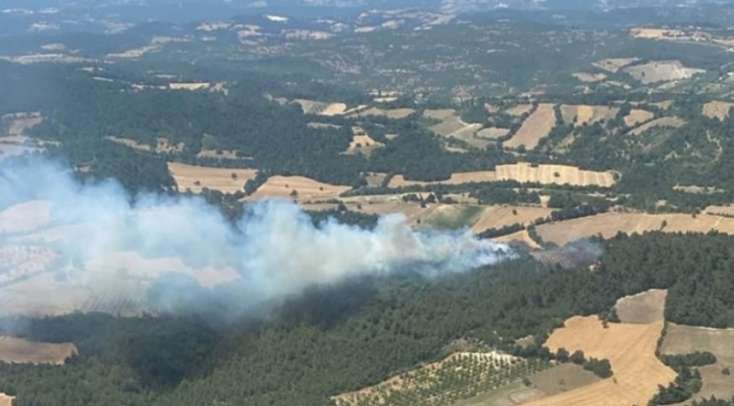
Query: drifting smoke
[169, 253]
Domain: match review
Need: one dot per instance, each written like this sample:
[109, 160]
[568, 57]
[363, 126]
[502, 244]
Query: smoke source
[71, 246]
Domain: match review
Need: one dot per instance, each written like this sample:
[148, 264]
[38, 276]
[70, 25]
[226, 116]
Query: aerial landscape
[366, 202]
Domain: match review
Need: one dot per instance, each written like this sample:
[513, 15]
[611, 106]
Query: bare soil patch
[297, 188]
[663, 122]
[536, 127]
[686, 339]
[21, 351]
[717, 109]
[630, 348]
[6, 400]
[642, 308]
[196, 178]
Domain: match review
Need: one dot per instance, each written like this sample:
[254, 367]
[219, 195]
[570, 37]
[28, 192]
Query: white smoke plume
[68, 246]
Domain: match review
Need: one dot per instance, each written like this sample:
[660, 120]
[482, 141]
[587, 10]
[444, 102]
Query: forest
[339, 338]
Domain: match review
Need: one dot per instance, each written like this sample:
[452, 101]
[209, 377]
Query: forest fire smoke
[179, 253]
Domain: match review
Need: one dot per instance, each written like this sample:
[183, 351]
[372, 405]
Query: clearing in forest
[162, 146]
[587, 77]
[630, 348]
[663, 122]
[687, 339]
[536, 127]
[661, 71]
[195, 178]
[522, 173]
[717, 109]
[642, 308]
[554, 175]
[362, 143]
[395, 114]
[21, 351]
[609, 225]
[584, 114]
[637, 117]
[321, 108]
[613, 65]
[452, 126]
[297, 188]
[519, 110]
[457, 178]
[496, 217]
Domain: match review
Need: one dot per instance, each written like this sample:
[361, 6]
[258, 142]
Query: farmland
[609, 224]
[717, 109]
[585, 115]
[21, 351]
[682, 339]
[663, 122]
[297, 188]
[536, 127]
[196, 178]
[521, 173]
[458, 376]
[631, 350]
[642, 308]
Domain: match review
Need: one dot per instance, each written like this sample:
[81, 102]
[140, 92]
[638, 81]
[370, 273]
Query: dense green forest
[340, 338]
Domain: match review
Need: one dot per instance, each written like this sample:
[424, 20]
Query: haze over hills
[361, 203]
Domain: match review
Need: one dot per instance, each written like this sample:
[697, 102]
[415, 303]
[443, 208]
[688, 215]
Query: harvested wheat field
[321, 108]
[457, 178]
[642, 308]
[297, 188]
[584, 114]
[522, 173]
[726, 211]
[663, 122]
[536, 127]
[587, 77]
[362, 143]
[630, 348]
[6, 400]
[196, 178]
[687, 339]
[610, 224]
[637, 117]
[501, 216]
[554, 174]
[717, 109]
[613, 65]
[395, 114]
[521, 236]
[493, 133]
[661, 71]
[519, 110]
[21, 351]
